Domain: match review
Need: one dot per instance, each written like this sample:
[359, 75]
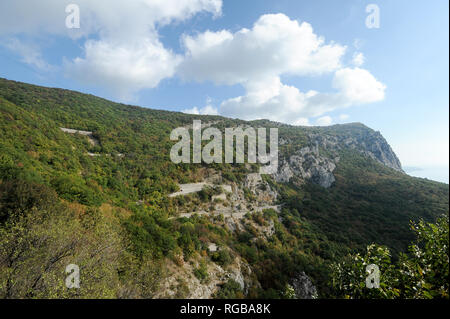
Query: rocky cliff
[317, 161]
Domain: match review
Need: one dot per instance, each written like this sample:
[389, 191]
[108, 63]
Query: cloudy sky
[298, 62]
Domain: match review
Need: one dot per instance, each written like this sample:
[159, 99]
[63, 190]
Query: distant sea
[435, 173]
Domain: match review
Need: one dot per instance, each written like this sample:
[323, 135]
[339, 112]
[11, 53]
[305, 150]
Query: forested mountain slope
[106, 194]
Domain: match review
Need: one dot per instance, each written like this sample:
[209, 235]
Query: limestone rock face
[181, 282]
[308, 165]
[364, 140]
[260, 188]
[316, 162]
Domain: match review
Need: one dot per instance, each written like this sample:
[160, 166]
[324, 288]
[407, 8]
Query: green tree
[37, 246]
[423, 273]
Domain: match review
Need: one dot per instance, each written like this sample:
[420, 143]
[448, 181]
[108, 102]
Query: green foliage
[369, 203]
[41, 236]
[289, 292]
[230, 290]
[73, 188]
[222, 257]
[424, 273]
[131, 175]
[18, 197]
[201, 272]
[150, 234]
[36, 248]
[208, 192]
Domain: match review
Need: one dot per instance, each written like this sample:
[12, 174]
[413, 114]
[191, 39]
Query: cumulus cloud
[358, 86]
[105, 16]
[257, 58]
[207, 110]
[324, 121]
[122, 49]
[271, 99]
[275, 45]
[124, 67]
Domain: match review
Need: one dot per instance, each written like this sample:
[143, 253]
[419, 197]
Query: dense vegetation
[60, 204]
[423, 273]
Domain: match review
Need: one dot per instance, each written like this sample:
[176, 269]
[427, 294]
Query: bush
[424, 273]
[230, 290]
[222, 257]
[74, 189]
[18, 197]
[202, 272]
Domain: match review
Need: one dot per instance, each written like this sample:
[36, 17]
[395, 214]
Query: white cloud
[104, 16]
[324, 121]
[124, 67]
[358, 43]
[302, 121]
[275, 45]
[344, 117]
[122, 49]
[193, 110]
[257, 58]
[208, 109]
[271, 99]
[28, 52]
[358, 59]
[123, 52]
[358, 86]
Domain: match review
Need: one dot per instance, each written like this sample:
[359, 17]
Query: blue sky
[251, 59]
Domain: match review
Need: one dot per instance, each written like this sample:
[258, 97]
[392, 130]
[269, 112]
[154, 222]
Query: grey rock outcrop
[310, 164]
[362, 139]
[307, 164]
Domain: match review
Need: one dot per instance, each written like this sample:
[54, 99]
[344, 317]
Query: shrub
[222, 257]
[202, 272]
[230, 290]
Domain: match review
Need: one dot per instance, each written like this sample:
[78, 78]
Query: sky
[320, 62]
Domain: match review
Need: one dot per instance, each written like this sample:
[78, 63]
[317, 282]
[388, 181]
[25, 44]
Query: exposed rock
[252, 180]
[222, 197]
[260, 188]
[186, 189]
[212, 247]
[180, 281]
[307, 164]
[284, 173]
[90, 135]
[363, 139]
